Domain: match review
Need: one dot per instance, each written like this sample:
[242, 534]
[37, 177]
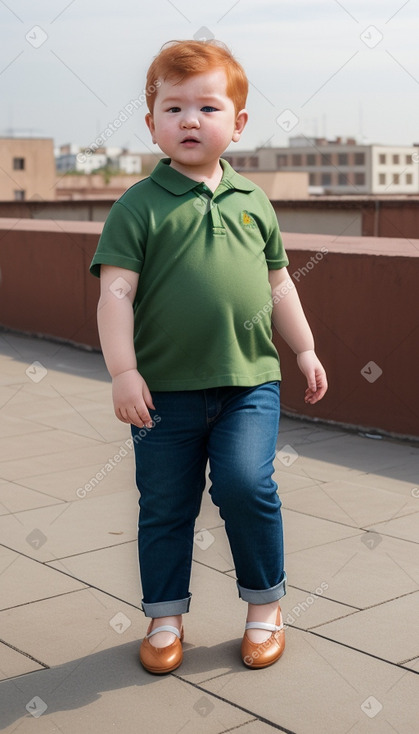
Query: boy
[187, 257]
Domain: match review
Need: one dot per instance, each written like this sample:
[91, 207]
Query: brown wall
[360, 299]
[45, 284]
[361, 302]
[369, 216]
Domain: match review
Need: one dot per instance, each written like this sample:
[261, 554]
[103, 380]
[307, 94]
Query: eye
[208, 108]
[174, 109]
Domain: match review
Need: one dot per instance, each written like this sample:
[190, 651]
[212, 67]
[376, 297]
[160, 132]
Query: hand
[315, 374]
[132, 399]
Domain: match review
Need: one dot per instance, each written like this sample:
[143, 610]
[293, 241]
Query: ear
[239, 125]
[150, 124]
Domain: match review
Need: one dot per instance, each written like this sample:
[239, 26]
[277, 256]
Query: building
[71, 158]
[340, 166]
[27, 169]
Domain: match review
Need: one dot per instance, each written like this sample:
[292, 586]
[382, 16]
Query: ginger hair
[179, 60]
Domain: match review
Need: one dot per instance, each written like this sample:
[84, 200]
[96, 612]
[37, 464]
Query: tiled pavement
[70, 622]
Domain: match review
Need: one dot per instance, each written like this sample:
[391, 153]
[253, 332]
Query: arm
[290, 321]
[115, 317]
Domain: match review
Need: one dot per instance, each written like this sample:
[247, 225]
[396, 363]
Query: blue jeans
[235, 429]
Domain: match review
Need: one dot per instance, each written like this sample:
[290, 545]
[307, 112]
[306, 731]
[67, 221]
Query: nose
[189, 120]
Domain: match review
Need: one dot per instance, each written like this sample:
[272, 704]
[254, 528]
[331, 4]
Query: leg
[241, 450]
[170, 474]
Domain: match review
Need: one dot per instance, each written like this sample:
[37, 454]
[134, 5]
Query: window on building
[382, 179]
[19, 195]
[254, 161]
[359, 159]
[18, 164]
[240, 162]
[408, 160]
[296, 159]
[343, 159]
[281, 160]
[382, 159]
[312, 179]
[396, 179]
[396, 158]
[311, 159]
[325, 159]
[359, 179]
[343, 179]
[326, 179]
[409, 178]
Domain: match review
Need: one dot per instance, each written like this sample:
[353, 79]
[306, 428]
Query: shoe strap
[164, 628]
[264, 626]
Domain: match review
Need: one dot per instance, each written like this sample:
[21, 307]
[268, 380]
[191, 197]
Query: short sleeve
[275, 254]
[122, 242]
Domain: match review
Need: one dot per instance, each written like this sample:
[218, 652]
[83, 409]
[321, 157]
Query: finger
[120, 415]
[143, 415]
[148, 399]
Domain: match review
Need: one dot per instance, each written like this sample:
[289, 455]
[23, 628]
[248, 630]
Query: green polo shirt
[202, 311]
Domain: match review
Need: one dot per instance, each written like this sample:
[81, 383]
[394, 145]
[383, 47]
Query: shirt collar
[178, 184]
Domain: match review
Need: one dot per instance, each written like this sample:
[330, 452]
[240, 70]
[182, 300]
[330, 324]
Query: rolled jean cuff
[263, 596]
[167, 608]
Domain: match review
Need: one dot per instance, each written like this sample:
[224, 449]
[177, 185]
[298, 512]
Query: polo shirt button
[204, 188]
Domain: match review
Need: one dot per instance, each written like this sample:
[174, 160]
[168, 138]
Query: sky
[327, 68]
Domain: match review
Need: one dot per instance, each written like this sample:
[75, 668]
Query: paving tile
[255, 727]
[14, 498]
[46, 442]
[412, 664]
[69, 528]
[389, 631]
[13, 664]
[401, 527]
[300, 433]
[113, 570]
[209, 516]
[308, 609]
[74, 413]
[349, 455]
[24, 580]
[352, 504]
[211, 548]
[88, 453]
[302, 531]
[92, 480]
[316, 469]
[11, 425]
[402, 480]
[318, 686]
[289, 482]
[361, 571]
[63, 628]
[108, 691]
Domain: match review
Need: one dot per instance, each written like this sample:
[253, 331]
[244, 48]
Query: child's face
[195, 121]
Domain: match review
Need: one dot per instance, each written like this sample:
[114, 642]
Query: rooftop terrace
[70, 619]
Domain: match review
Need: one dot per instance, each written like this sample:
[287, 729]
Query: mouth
[190, 139]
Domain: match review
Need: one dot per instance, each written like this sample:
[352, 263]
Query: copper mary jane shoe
[261, 654]
[161, 659]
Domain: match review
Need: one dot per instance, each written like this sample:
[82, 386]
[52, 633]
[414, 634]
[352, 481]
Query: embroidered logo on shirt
[247, 220]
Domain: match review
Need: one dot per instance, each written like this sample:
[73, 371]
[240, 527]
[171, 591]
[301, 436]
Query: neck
[210, 174]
